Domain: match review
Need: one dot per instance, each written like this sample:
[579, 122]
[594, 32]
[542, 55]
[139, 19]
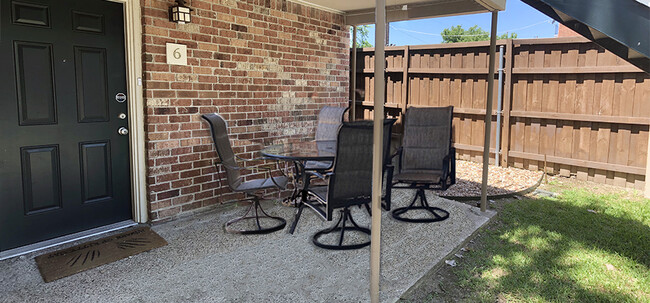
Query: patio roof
[363, 11]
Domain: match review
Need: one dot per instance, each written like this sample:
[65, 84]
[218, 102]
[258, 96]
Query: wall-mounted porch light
[180, 13]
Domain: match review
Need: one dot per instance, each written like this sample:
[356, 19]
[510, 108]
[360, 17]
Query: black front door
[63, 166]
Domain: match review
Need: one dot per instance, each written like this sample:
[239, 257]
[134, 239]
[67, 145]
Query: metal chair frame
[252, 193]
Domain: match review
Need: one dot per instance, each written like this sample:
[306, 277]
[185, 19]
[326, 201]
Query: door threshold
[14, 252]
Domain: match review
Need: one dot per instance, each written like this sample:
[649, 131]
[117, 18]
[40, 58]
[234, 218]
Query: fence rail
[569, 106]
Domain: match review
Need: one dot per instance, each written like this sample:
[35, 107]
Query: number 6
[177, 54]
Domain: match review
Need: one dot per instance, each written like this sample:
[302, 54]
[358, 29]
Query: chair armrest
[256, 169]
[251, 159]
[447, 165]
[398, 152]
[452, 153]
[268, 168]
[218, 161]
[318, 175]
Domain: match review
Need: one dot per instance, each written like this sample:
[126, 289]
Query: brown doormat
[69, 261]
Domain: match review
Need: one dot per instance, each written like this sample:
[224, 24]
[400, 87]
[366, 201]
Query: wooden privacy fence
[569, 106]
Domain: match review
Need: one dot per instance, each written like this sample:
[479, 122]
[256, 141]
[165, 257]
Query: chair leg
[342, 228]
[453, 169]
[443, 183]
[255, 206]
[297, 217]
[439, 214]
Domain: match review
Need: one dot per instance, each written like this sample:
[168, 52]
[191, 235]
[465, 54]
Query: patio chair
[252, 188]
[349, 184]
[387, 169]
[427, 158]
[329, 121]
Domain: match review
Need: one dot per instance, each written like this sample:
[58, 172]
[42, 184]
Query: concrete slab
[204, 264]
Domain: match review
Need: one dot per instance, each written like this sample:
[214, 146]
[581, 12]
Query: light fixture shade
[180, 14]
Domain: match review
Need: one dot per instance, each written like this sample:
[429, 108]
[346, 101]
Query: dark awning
[620, 26]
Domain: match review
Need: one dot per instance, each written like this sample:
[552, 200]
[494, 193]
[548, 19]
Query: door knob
[123, 131]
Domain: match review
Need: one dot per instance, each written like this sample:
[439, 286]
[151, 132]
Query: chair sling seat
[260, 184]
[418, 176]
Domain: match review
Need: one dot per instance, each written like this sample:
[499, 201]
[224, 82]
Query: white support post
[647, 173]
[353, 76]
[488, 110]
[377, 150]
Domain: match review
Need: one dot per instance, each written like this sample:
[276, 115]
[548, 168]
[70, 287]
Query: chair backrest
[219, 130]
[388, 129]
[329, 120]
[427, 137]
[351, 181]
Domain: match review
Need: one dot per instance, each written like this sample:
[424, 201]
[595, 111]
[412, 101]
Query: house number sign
[176, 54]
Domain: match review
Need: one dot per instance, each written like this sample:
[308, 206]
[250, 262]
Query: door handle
[123, 131]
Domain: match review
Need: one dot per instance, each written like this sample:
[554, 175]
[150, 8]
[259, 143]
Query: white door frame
[135, 103]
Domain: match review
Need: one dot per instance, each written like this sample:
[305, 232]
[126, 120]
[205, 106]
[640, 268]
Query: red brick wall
[267, 66]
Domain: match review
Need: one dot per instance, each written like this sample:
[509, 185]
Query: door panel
[30, 14]
[96, 171]
[92, 87]
[35, 81]
[63, 166]
[87, 22]
[41, 178]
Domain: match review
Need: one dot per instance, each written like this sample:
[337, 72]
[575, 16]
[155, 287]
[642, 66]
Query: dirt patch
[469, 176]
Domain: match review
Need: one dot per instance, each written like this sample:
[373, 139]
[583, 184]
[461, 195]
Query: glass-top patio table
[300, 153]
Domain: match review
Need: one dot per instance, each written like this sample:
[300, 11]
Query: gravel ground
[500, 180]
[202, 263]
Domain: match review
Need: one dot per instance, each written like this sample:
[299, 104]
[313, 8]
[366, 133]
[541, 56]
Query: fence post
[405, 81]
[507, 100]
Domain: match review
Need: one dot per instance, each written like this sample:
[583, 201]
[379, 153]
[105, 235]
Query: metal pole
[353, 80]
[377, 150]
[488, 111]
[499, 106]
[387, 34]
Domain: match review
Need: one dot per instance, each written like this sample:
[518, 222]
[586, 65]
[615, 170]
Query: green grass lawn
[580, 247]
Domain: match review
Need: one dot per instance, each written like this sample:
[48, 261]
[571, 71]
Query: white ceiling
[362, 11]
